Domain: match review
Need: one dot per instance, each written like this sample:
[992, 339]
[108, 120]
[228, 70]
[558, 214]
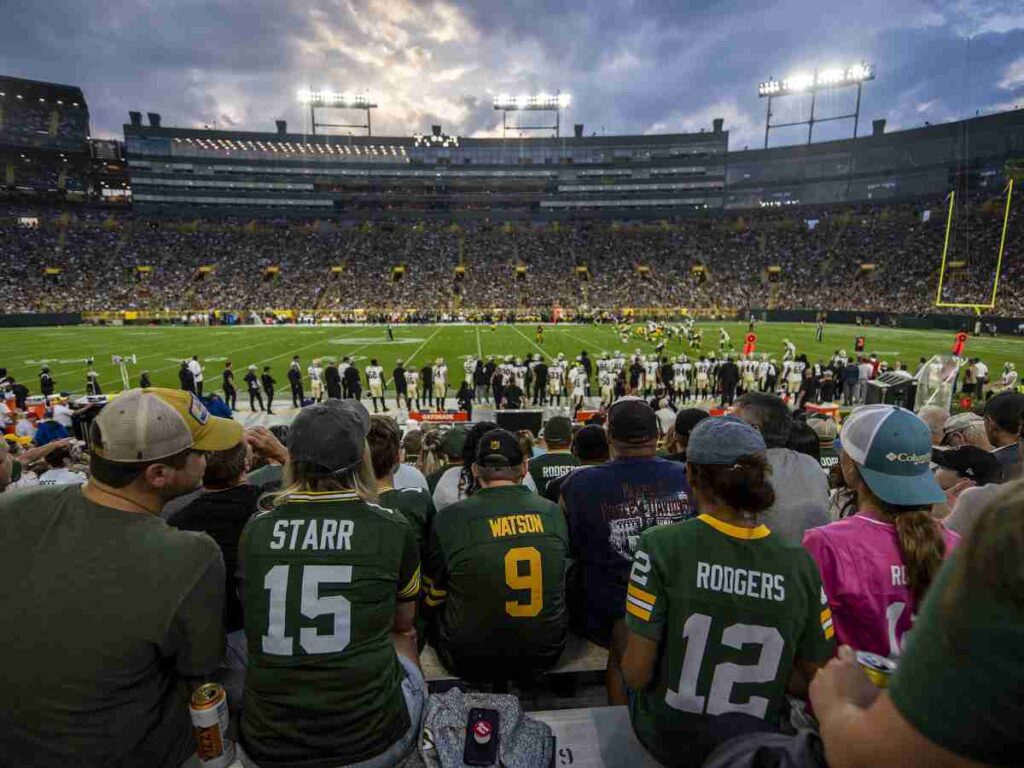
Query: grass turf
[160, 349]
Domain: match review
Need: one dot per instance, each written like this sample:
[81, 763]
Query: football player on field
[705, 587]
[440, 383]
[494, 575]
[330, 586]
[375, 382]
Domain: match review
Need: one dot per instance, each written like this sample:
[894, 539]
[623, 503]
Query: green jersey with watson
[730, 608]
[494, 580]
[322, 575]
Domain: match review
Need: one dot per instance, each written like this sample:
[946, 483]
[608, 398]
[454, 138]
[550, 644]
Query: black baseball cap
[687, 419]
[558, 429]
[631, 420]
[331, 435]
[969, 461]
[499, 448]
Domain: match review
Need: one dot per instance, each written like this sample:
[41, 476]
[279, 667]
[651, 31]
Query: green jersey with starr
[323, 573]
[730, 608]
[551, 466]
[494, 579]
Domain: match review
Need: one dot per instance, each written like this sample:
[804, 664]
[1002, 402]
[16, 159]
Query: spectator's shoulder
[33, 497]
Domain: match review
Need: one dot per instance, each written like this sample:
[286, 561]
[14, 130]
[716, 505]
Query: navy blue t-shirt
[608, 506]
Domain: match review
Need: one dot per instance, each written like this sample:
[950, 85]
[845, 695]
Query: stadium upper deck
[363, 176]
[659, 176]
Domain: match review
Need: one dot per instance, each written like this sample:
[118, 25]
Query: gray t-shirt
[801, 495]
[969, 506]
[106, 612]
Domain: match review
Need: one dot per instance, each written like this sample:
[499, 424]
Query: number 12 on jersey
[697, 631]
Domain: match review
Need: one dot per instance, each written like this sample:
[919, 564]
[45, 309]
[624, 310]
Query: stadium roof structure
[410, 141]
[39, 91]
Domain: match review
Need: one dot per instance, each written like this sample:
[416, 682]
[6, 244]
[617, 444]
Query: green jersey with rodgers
[731, 608]
[322, 575]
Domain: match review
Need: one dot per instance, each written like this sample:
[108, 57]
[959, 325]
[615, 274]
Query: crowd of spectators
[882, 258]
[676, 549]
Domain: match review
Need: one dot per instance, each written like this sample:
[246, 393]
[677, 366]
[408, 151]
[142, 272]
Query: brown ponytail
[743, 486]
[922, 548]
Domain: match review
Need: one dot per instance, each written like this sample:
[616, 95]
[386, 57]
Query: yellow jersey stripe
[640, 613]
[432, 602]
[830, 633]
[826, 615]
[413, 587]
[735, 531]
[639, 594]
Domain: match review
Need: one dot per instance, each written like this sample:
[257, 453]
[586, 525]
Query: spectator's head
[385, 441]
[632, 428]
[935, 417]
[148, 446]
[768, 414]
[58, 458]
[6, 465]
[590, 444]
[826, 430]
[328, 451]
[966, 429]
[1003, 418]
[885, 459]
[558, 432]
[453, 443]
[500, 459]
[226, 469]
[803, 439]
[686, 420]
[727, 467]
[431, 457]
[965, 463]
[412, 445]
[467, 480]
[526, 441]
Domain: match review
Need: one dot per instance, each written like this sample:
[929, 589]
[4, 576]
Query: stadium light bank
[820, 80]
[539, 102]
[325, 98]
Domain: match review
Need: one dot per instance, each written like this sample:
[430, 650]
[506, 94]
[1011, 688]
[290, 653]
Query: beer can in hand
[878, 668]
[209, 710]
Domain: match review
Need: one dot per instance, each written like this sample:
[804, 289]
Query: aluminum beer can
[209, 710]
[878, 668]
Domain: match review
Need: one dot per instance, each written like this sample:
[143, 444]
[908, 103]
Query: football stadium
[529, 445]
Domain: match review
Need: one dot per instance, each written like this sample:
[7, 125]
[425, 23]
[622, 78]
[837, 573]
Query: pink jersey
[865, 581]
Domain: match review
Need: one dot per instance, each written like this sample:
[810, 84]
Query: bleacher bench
[598, 737]
[580, 655]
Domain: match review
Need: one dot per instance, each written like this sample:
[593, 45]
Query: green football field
[161, 349]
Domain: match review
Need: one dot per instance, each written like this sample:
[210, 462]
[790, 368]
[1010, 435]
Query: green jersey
[730, 608]
[322, 575]
[416, 505]
[551, 466]
[495, 583]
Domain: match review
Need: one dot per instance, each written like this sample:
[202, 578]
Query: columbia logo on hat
[916, 458]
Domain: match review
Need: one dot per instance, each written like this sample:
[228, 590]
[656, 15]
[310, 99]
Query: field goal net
[958, 237]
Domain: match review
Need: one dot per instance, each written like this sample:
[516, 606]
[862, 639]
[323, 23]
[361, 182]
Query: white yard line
[421, 346]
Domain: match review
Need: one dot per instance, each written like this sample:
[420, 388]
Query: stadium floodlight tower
[325, 98]
[822, 80]
[541, 102]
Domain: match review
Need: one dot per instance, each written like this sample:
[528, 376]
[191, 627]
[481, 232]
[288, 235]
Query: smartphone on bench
[481, 737]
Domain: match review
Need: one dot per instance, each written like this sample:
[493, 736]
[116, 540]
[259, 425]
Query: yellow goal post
[1013, 172]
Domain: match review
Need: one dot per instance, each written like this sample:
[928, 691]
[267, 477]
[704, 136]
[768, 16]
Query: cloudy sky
[632, 66]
